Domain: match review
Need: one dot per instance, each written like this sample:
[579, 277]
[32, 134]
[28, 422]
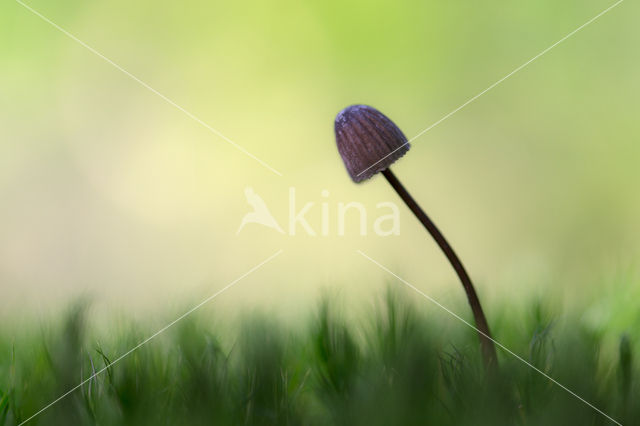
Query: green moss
[393, 367]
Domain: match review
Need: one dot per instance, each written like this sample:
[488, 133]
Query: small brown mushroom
[369, 142]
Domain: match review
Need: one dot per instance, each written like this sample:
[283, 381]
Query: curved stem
[488, 348]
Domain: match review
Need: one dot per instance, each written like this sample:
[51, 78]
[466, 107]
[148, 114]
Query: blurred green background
[109, 192]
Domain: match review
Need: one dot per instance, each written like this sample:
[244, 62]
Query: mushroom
[369, 142]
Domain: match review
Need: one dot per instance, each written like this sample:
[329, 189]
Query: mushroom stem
[486, 341]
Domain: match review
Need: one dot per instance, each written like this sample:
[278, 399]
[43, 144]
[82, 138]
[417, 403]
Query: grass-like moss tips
[395, 365]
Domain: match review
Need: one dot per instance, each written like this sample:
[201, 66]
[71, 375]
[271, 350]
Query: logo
[260, 214]
[333, 217]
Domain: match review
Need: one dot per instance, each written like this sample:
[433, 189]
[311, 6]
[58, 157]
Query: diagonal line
[431, 299]
[495, 84]
[145, 341]
[168, 100]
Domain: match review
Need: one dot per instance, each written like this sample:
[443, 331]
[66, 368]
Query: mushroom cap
[368, 141]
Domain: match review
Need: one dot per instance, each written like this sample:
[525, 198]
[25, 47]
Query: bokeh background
[108, 192]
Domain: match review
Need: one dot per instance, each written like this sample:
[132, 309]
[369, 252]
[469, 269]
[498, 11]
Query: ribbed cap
[368, 141]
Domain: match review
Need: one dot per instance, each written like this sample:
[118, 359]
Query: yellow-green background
[109, 192]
